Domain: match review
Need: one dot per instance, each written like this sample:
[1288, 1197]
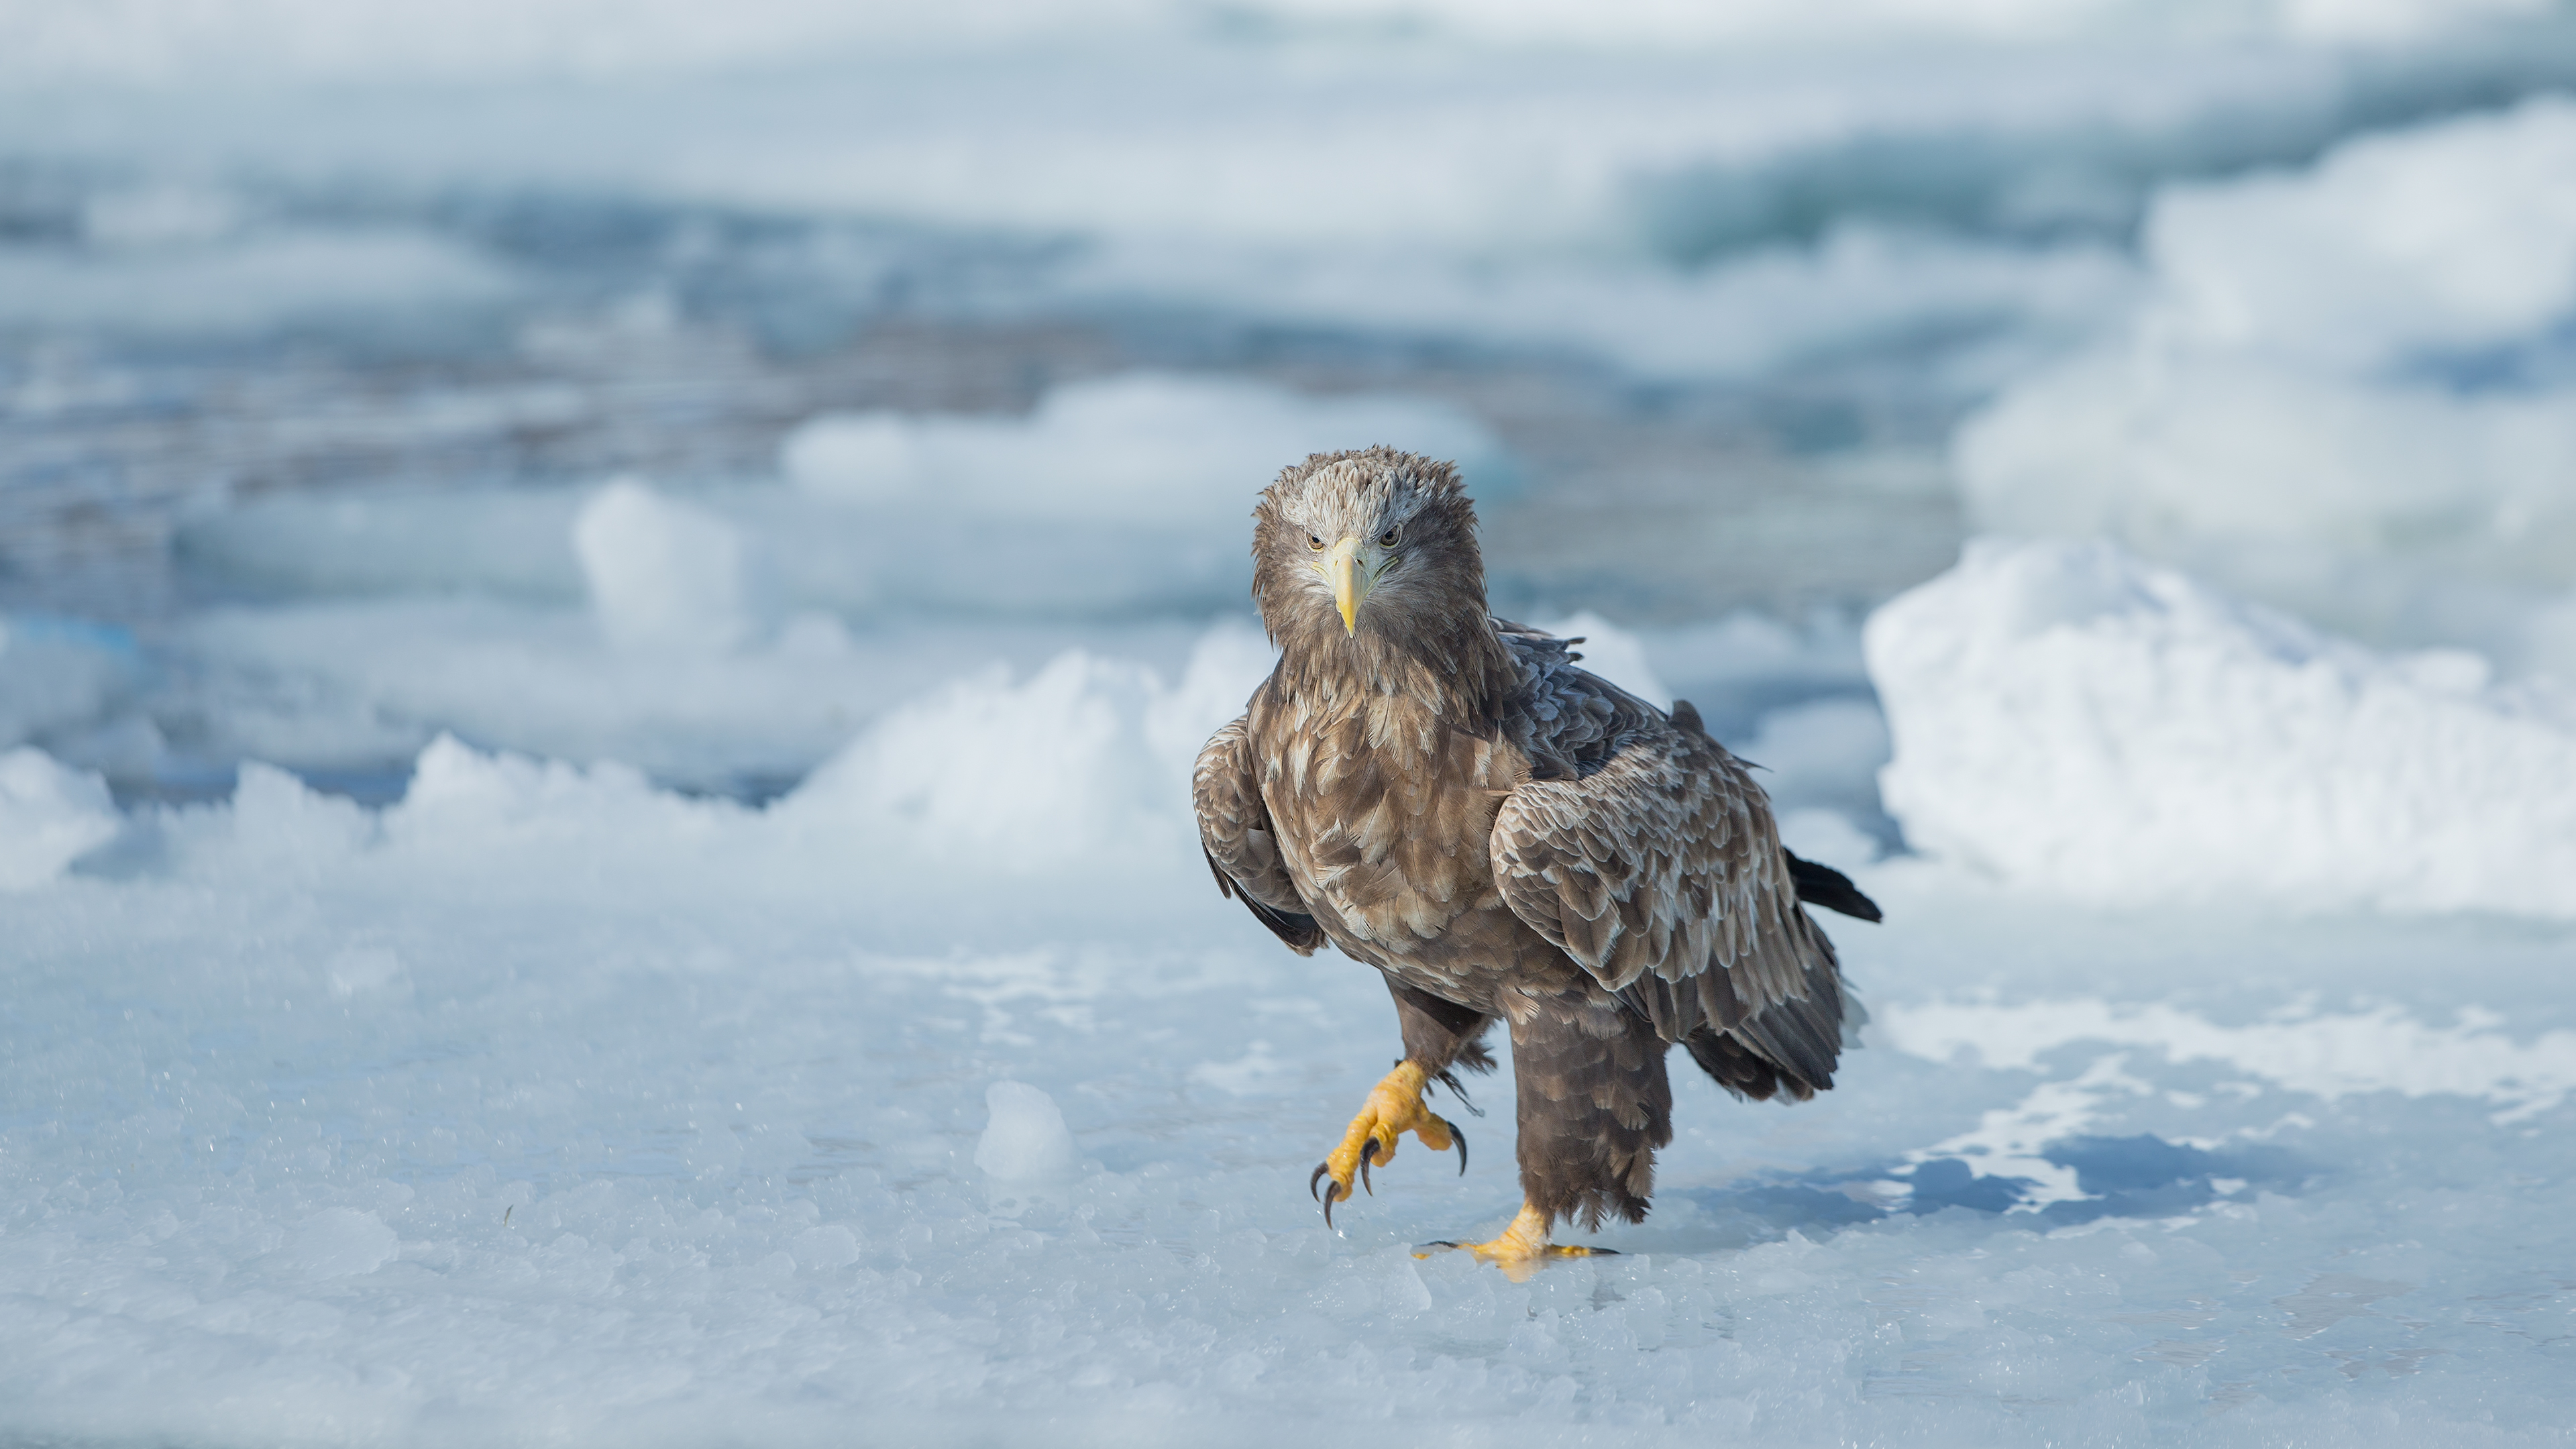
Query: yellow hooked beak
[1350, 581]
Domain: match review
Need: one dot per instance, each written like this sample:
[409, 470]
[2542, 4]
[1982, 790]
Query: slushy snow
[2070, 718]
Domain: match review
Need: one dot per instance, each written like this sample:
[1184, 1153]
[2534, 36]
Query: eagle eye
[1314, 543]
[1387, 539]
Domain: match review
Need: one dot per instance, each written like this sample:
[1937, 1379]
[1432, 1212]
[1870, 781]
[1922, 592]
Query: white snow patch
[50, 816]
[2069, 718]
[1026, 1139]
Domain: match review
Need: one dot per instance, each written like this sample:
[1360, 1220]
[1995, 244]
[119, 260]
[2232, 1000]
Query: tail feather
[1822, 885]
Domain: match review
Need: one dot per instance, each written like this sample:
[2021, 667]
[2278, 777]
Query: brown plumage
[1449, 798]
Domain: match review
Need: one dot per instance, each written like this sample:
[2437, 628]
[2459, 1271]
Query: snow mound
[2352, 392]
[2070, 718]
[667, 576]
[49, 816]
[1027, 1138]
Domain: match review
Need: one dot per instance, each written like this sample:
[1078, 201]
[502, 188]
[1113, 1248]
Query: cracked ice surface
[545, 1105]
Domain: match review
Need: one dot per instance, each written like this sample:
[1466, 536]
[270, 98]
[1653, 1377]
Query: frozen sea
[604, 613]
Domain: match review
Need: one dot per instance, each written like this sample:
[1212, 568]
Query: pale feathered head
[1368, 559]
[1365, 540]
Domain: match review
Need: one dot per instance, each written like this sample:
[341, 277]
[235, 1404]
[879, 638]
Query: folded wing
[1652, 860]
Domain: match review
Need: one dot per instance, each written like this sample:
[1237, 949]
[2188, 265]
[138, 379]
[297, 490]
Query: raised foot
[1522, 1249]
[1394, 1107]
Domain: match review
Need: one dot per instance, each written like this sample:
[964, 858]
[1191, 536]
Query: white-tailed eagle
[1449, 798]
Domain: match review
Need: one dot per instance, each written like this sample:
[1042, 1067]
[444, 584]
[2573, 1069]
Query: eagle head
[1370, 544]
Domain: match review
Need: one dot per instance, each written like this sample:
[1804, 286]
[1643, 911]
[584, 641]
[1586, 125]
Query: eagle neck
[1456, 675]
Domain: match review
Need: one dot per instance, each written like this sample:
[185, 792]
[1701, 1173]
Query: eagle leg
[1523, 1248]
[1394, 1107]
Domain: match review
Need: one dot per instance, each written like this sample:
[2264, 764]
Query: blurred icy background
[519, 520]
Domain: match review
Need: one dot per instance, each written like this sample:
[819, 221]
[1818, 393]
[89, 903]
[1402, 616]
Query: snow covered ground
[546, 1106]
[525, 943]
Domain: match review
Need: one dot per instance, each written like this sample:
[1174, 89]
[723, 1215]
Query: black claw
[1320, 1169]
[1462, 1146]
[1368, 1154]
[1328, 1206]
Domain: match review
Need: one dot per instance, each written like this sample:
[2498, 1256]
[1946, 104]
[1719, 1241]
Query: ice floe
[2071, 718]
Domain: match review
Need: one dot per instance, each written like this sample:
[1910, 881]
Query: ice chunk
[2070, 718]
[1026, 1138]
[50, 816]
[340, 1243]
[667, 576]
[1014, 776]
[280, 825]
[2350, 391]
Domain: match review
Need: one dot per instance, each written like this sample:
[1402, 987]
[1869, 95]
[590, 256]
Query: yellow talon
[1394, 1107]
[1522, 1249]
